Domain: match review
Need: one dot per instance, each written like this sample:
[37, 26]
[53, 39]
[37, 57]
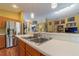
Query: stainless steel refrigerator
[10, 29]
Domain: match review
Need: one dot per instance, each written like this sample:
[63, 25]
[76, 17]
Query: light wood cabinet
[32, 51]
[25, 50]
[21, 48]
[50, 26]
[2, 41]
[2, 22]
[2, 52]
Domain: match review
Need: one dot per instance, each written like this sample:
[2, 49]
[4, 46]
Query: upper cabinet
[2, 22]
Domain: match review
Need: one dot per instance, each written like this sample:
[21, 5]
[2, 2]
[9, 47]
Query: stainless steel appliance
[10, 26]
[12, 29]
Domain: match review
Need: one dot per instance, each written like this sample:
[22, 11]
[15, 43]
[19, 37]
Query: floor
[9, 52]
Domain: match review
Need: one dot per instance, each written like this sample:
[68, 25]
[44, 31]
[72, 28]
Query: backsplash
[2, 31]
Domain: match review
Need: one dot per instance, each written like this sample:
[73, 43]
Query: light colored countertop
[55, 47]
[2, 34]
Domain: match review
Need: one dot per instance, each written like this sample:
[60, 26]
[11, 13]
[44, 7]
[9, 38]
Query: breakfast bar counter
[54, 47]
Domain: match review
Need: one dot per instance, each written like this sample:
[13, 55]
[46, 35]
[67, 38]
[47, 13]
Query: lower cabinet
[32, 51]
[2, 41]
[25, 50]
[21, 48]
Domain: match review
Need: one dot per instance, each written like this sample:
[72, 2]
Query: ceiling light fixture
[53, 5]
[32, 15]
[14, 6]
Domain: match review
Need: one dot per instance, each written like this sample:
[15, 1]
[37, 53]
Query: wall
[77, 21]
[22, 20]
[11, 15]
[53, 26]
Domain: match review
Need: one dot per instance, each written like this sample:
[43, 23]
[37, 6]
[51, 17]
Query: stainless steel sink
[38, 40]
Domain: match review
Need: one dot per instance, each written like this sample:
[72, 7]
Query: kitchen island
[56, 46]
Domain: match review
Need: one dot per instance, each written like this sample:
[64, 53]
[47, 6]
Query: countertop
[54, 47]
[2, 34]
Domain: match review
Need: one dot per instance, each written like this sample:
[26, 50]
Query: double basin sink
[37, 39]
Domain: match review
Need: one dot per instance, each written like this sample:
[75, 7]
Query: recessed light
[32, 15]
[53, 5]
[14, 6]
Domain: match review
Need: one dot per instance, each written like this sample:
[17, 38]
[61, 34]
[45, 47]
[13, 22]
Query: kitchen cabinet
[2, 22]
[25, 50]
[50, 26]
[2, 41]
[59, 25]
[32, 51]
[2, 52]
[41, 27]
[21, 48]
[63, 21]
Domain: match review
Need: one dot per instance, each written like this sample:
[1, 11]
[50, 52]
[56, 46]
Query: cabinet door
[50, 26]
[25, 50]
[3, 52]
[2, 22]
[32, 51]
[2, 41]
[21, 48]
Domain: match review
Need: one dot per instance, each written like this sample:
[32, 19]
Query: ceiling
[40, 10]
